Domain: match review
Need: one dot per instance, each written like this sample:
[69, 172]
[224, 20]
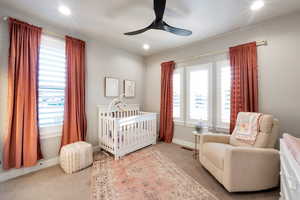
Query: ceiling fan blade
[138, 31]
[177, 31]
[159, 9]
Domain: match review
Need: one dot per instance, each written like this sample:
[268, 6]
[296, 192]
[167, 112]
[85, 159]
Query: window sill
[50, 132]
[178, 123]
[193, 124]
[50, 135]
[222, 130]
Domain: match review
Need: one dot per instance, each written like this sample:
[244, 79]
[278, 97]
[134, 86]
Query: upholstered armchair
[239, 166]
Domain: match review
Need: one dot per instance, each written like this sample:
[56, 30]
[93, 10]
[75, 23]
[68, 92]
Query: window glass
[176, 95]
[225, 94]
[51, 81]
[198, 94]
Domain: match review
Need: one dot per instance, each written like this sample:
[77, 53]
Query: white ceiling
[109, 19]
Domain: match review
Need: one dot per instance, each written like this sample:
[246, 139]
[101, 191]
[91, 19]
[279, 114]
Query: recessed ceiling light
[64, 10]
[146, 47]
[256, 5]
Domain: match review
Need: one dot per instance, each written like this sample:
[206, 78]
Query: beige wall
[102, 60]
[279, 69]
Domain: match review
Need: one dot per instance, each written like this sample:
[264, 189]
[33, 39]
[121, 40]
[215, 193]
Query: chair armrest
[251, 167]
[217, 138]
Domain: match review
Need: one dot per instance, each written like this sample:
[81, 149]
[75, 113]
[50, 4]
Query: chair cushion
[215, 153]
[264, 135]
[266, 123]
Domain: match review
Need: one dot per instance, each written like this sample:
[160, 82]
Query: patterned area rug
[143, 175]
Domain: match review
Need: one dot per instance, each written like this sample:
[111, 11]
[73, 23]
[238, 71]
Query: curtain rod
[44, 31]
[258, 43]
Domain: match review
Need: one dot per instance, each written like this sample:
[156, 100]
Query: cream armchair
[241, 167]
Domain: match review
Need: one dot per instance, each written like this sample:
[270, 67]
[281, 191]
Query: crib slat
[121, 132]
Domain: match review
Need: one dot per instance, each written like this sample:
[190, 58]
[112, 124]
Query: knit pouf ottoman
[76, 156]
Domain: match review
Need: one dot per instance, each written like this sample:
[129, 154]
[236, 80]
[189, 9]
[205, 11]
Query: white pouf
[76, 156]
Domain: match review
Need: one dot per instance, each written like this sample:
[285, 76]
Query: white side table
[197, 143]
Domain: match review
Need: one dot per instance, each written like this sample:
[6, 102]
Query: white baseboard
[183, 143]
[42, 164]
[13, 173]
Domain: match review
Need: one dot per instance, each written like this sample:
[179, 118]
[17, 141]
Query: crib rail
[142, 116]
[123, 132]
[131, 110]
[136, 132]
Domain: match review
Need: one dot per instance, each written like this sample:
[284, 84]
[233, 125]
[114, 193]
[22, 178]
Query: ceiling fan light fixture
[146, 47]
[64, 10]
[258, 4]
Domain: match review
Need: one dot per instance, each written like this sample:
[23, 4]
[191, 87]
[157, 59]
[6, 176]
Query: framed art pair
[112, 87]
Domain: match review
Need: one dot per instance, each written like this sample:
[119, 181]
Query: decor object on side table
[111, 87]
[129, 88]
[76, 156]
[199, 127]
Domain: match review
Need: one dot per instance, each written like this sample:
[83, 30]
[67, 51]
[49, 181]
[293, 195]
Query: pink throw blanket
[247, 127]
[293, 144]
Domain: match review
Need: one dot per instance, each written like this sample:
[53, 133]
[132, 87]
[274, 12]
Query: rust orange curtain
[244, 80]
[166, 102]
[74, 128]
[21, 143]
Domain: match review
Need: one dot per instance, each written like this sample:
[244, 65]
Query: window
[204, 94]
[223, 93]
[178, 95]
[51, 81]
[198, 93]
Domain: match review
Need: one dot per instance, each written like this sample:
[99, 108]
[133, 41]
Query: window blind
[51, 81]
[176, 95]
[198, 92]
[223, 93]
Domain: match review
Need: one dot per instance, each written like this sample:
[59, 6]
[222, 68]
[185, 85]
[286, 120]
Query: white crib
[123, 132]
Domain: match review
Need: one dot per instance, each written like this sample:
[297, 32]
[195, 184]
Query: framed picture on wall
[111, 87]
[129, 88]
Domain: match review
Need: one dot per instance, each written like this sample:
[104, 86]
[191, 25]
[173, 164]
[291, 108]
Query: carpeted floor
[52, 183]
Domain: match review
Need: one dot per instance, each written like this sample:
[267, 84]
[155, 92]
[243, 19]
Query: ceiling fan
[159, 23]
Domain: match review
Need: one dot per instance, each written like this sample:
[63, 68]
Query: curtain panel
[244, 80]
[166, 128]
[21, 142]
[75, 124]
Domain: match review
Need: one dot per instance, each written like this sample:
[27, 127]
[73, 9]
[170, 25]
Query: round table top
[197, 133]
